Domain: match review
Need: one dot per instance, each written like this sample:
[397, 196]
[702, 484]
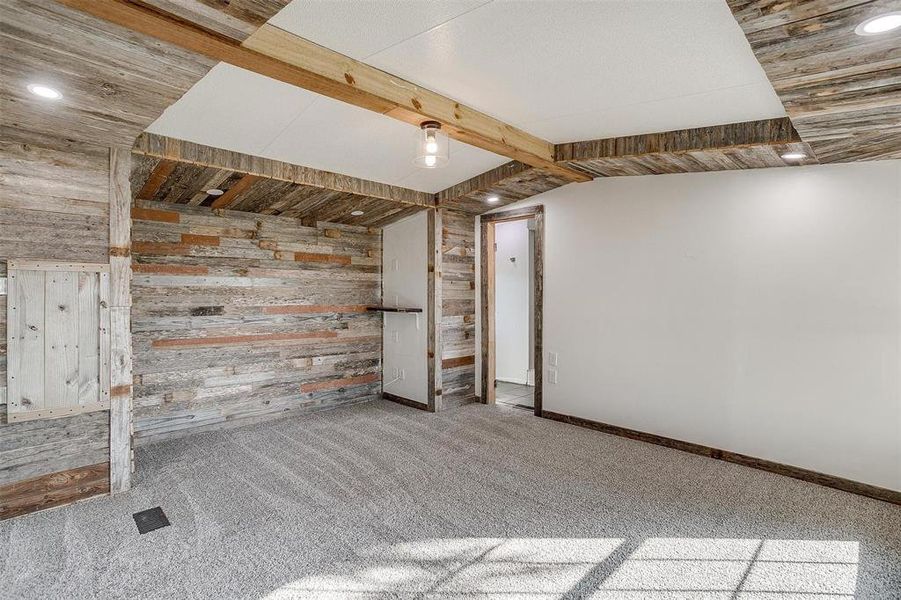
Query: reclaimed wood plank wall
[54, 204]
[239, 317]
[458, 308]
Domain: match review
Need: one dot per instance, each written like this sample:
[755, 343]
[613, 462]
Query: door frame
[488, 292]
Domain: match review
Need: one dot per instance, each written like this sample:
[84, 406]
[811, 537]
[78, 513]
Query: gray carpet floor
[378, 500]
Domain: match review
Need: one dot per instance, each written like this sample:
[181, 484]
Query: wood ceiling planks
[510, 183]
[109, 76]
[185, 184]
[182, 151]
[842, 91]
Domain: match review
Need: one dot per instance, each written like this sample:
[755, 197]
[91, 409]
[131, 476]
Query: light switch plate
[552, 375]
[552, 359]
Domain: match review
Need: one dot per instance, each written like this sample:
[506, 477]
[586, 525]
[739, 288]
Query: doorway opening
[512, 282]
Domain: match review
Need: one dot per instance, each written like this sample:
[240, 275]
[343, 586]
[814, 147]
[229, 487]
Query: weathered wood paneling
[841, 90]
[238, 317]
[54, 206]
[458, 299]
[110, 77]
[264, 186]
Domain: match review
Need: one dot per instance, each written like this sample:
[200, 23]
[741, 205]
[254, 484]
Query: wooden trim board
[44, 265]
[55, 489]
[488, 357]
[407, 402]
[839, 483]
[56, 413]
[433, 346]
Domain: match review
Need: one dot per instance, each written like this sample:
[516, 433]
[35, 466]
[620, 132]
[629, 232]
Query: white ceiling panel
[233, 109]
[360, 28]
[549, 66]
[241, 111]
[734, 105]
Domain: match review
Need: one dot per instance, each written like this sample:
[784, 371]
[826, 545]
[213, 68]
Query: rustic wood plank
[119, 375]
[842, 91]
[157, 178]
[120, 399]
[25, 341]
[232, 194]
[434, 284]
[333, 384]
[58, 412]
[42, 265]
[88, 338]
[55, 489]
[61, 340]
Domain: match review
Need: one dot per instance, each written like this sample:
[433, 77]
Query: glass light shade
[432, 146]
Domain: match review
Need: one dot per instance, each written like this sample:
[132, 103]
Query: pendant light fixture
[432, 147]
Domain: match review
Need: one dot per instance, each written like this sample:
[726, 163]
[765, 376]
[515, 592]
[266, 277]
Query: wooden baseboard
[406, 401]
[839, 483]
[55, 489]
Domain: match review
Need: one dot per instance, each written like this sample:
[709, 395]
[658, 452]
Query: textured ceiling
[565, 70]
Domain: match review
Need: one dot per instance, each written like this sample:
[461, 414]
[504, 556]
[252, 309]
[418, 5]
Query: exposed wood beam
[207, 156]
[510, 183]
[733, 136]
[228, 198]
[157, 178]
[754, 144]
[286, 57]
[750, 145]
[483, 181]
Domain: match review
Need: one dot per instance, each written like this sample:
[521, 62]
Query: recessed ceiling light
[880, 24]
[44, 91]
[357, 213]
[493, 199]
[214, 192]
[794, 155]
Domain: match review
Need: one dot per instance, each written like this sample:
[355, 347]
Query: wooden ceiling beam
[510, 182]
[172, 149]
[286, 57]
[733, 136]
[754, 144]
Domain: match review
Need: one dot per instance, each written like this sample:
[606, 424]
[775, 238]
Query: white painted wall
[512, 301]
[754, 311]
[405, 283]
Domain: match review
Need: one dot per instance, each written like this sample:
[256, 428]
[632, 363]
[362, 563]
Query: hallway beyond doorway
[515, 394]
